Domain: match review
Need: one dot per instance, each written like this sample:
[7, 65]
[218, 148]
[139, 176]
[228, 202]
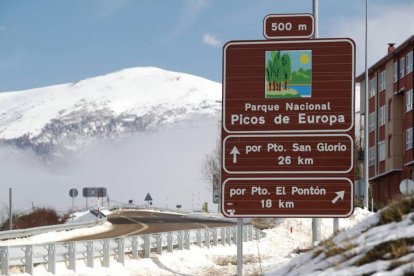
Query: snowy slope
[129, 100]
[383, 244]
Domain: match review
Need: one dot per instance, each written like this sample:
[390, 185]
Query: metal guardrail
[117, 249]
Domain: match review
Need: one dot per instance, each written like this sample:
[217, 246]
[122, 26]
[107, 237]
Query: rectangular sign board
[302, 86]
[288, 128]
[288, 154]
[282, 26]
[287, 197]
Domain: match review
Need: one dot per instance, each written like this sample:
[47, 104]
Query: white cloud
[386, 23]
[211, 40]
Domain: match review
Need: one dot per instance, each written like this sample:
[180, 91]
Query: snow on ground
[58, 235]
[382, 244]
[260, 257]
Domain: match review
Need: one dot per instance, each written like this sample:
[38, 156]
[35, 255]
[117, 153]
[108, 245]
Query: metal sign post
[239, 247]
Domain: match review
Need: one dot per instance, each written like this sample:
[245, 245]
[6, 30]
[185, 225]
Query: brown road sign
[287, 197]
[288, 154]
[282, 26]
[302, 86]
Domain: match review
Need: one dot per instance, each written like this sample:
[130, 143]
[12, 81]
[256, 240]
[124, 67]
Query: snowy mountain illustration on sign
[57, 119]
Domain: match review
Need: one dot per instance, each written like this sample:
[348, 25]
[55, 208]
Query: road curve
[128, 223]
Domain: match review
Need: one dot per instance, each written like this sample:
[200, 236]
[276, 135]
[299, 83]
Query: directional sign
[94, 192]
[288, 126]
[288, 26]
[302, 86]
[287, 197]
[288, 154]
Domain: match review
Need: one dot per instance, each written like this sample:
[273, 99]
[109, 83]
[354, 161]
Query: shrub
[38, 217]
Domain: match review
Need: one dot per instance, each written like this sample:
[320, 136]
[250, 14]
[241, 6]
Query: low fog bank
[165, 163]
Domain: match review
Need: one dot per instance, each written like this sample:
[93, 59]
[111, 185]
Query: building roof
[386, 58]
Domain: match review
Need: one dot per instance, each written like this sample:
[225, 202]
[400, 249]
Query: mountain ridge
[54, 119]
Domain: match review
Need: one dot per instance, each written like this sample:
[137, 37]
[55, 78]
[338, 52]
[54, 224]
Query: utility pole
[316, 222]
[10, 210]
[366, 115]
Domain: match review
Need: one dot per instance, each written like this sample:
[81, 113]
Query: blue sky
[46, 42]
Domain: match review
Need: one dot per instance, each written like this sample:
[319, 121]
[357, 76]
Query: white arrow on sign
[234, 152]
[339, 195]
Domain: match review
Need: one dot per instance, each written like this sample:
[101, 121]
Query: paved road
[127, 223]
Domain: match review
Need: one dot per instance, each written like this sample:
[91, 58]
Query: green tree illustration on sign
[288, 74]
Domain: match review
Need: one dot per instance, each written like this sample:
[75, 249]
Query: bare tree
[212, 165]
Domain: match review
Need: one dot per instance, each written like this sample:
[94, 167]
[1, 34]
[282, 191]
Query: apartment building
[391, 120]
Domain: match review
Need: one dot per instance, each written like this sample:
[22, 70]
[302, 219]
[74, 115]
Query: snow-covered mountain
[57, 119]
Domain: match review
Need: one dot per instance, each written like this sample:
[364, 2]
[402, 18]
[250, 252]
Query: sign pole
[10, 210]
[239, 247]
[316, 222]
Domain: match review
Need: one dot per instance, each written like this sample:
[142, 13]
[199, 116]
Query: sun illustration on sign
[288, 74]
[304, 59]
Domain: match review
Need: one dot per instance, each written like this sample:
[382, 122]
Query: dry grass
[388, 250]
[232, 260]
[397, 209]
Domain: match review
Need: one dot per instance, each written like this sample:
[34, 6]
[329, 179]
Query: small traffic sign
[73, 192]
[287, 197]
[148, 197]
[282, 26]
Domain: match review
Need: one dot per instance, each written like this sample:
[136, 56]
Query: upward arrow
[234, 152]
[339, 195]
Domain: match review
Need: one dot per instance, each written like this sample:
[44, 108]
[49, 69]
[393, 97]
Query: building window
[395, 77]
[381, 115]
[381, 151]
[372, 120]
[409, 100]
[409, 138]
[409, 62]
[402, 67]
[389, 145]
[372, 87]
[389, 109]
[382, 83]
[371, 156]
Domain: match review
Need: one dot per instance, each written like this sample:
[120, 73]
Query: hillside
[383, 244]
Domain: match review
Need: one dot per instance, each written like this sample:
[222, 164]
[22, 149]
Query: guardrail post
[28, 259]
[89, 254]
[180, 240]
[170, 241]
[51, 258]
[245, 233]
[258, 234]
[134, 242]
[158, 239]
[72, 255]
[4, 258]
[215, 239]
[198, 237]
[234, 234]
[228, 235]
[250, 232]
[223, 235]
[121, 250]
[186, 239]
[147, 245]
[105, 253]
[207, 237]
